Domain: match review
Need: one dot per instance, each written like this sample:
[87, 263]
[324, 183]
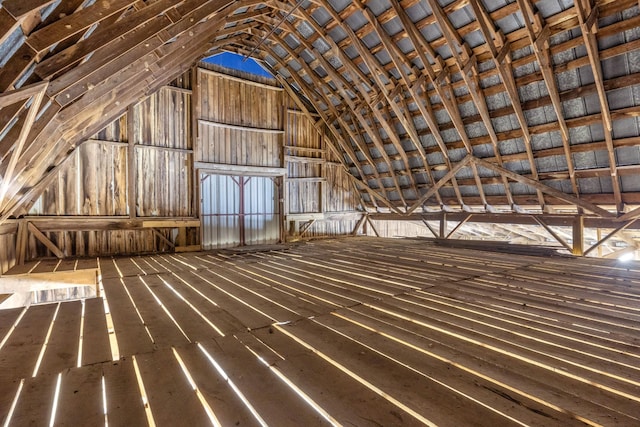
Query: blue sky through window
[234, 61]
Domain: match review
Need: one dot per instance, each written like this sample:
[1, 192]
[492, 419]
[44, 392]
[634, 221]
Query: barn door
[239, 210]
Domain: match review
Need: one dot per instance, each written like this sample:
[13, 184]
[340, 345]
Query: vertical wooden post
[195, 141]
[443, 226]
[598, 238]
[21, 242]
[131, 164]
[578, 235]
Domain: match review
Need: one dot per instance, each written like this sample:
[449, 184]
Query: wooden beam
[163, 238]
[19, 144]
[373, 226]
[610, 235]
[45, 240]
[555, 235]
[539, 38]
[22, 94]
[467, 63]
[458, 225]
[448, 176]
[240, 170]
[544, 188]
[578, 236]
[501, 53]
[588, 18]
[359, 224]
[241, 128]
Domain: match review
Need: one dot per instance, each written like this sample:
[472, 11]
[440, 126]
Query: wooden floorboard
[80, 393]
[95, 343]
[360, 331]
[130, 331]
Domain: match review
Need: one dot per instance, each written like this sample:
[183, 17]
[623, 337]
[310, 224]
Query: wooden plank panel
[62, 349]
[529, 378]
[228, 282]
[262, 388]
[225, 404]
[164, 331]
[124, 401]
[8, 318]
[20, 353]
[108, 268]
[259, 292]
[127, 266]
[343, 397]
[193, 325]
[130, 332]
[95, 343]
[164, 381]
[35, 402]
[396, 380]
[246, 316]
[208, 308]
[46, 266]
[80, 399]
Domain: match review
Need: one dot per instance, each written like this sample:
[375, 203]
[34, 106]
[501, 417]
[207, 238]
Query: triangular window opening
[237, 62]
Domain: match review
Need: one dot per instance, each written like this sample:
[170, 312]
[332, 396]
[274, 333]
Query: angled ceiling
[471, 105]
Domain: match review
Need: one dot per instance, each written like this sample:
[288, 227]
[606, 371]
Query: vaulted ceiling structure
[490, 106]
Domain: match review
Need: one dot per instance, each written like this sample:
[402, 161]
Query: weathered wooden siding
[317, 183]
[93, 181]
[153, 148]
[7, 251]
[239, 123]
[162, 137]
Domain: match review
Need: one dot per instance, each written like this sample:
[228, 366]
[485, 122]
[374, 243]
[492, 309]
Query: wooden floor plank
[276, 403]
[108, 268]
[248, 317]
[491, 394]
[574, 396]
[130, 332]
[95, 343]
[301, 288]
[193, 325]
[35, 402]
[127, 266]
[343, 397]
[8, 318]
[8, 389]
[250, 287]
[225, 404]
[19, 355]
[336, 292]
[171, 399]
[46, 266]
[377, 328]
[208, 307]
[62, 348]
[124, 401]
[80, 398]
[67, 265]
[164, 331]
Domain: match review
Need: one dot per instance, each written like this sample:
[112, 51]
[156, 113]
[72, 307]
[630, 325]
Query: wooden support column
[578, 235]
[443, 226]
[131, 165]
[21, 242]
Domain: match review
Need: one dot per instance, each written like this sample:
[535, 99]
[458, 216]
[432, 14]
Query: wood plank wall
[228, 108]
[228, 122]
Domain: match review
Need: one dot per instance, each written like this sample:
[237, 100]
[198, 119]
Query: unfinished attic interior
[417, 212]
